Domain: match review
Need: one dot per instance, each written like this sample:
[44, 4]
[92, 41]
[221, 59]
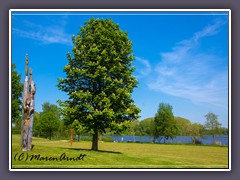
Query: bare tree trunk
[28, 110]
[95, 141]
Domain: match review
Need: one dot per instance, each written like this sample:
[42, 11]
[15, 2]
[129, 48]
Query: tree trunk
[154, 139]
[78, 137]
[95, 141]
[50, 134]
[193, 140]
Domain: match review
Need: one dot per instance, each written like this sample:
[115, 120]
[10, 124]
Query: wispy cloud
[43, 33]
[190, 73]
[144, 67]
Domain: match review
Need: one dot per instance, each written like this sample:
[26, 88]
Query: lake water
[223, 139]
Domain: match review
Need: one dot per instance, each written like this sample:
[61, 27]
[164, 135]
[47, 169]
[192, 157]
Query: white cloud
[189, 73]
[144, 67]
[44, 34]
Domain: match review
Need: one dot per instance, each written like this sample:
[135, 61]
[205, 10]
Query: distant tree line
[166, 126]
[185, 128]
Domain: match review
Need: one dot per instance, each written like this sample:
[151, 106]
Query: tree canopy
[47, 122]
[16, 91]
[212, 125]
[78, 128]
[99, 79]
[47, 107]
[165, 123]
[184, 126]
[147, 127]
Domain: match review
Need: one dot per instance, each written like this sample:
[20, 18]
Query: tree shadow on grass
[101, 151]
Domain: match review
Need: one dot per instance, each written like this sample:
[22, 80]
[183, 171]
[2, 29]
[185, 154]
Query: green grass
[121, 155]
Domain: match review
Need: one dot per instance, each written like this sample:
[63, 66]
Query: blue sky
[181, 58]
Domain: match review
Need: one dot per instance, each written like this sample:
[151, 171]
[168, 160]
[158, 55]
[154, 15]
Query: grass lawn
[118, 155]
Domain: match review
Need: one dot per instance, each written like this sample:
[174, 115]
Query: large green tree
[16, 91]
[47, 122]
[212, 125]
[165, 123]
[99, 79]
